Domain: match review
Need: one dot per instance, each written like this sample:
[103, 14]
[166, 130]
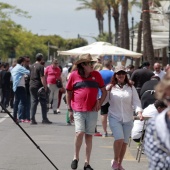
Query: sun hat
[84, 58]
[119, 68]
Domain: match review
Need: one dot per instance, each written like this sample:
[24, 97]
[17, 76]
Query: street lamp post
[132, 37]
[168, 14]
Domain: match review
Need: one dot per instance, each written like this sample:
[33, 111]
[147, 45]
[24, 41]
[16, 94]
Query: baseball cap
[119, 68]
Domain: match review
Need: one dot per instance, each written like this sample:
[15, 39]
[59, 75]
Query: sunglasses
[91, 63]
[121, 73]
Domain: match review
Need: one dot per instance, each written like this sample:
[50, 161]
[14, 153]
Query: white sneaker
[58, 111]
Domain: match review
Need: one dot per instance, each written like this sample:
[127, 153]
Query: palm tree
[124, 28]
[6, 10]
[99, 7]
[109, 19]
[115, 14]
[140, 29]
[148, 46]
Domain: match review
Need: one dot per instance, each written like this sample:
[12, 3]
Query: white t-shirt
[22, 81]
[149, 111]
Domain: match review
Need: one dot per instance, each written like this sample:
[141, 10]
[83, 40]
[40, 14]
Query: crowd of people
[90, 86]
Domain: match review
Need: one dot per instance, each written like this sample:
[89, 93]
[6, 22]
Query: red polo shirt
[84, 90]
[52, 74]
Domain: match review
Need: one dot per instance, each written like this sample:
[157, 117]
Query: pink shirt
[84, 90]
[52, 74]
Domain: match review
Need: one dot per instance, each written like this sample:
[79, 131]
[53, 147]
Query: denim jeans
[20, 97]
[34, 103]
[27, 112]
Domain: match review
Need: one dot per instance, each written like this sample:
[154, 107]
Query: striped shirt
[84, 90]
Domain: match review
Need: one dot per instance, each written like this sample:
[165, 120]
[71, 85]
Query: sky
[59, 17]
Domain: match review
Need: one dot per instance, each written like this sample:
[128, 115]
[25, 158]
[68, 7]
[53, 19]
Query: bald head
[157, 67]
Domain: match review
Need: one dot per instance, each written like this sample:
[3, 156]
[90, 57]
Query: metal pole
[132, 36]
[6, 111]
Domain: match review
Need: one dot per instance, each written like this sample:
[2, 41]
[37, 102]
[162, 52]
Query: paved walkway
[17, 152]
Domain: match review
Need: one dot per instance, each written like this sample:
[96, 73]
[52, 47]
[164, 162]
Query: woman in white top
[123, 99]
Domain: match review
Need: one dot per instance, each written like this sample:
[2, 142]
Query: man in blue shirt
[106, 74]
[18, 73]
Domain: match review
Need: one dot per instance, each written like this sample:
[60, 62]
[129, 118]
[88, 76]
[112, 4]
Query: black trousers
[34, 102]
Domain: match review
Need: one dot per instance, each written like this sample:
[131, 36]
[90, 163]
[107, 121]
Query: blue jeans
[27, 113]
[20, 97]
[34, 103]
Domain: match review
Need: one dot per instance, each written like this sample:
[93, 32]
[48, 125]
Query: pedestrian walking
[122, 98]
[82, 90]
[106, 74]
[18, 73]
[53, 74]
[37, 81]
[26, 117]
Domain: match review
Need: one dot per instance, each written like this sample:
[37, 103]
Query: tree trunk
[102, 27]
[164, 57]
[121, 32]
[115, 16]
[99, 26]
[139, 42]
[109, 23]
[148, 46]
[144, 51]
[99, 22]
[124, 28]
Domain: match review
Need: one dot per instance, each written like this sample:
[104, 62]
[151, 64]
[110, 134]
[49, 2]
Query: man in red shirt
[82, 90]
[53, 73]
